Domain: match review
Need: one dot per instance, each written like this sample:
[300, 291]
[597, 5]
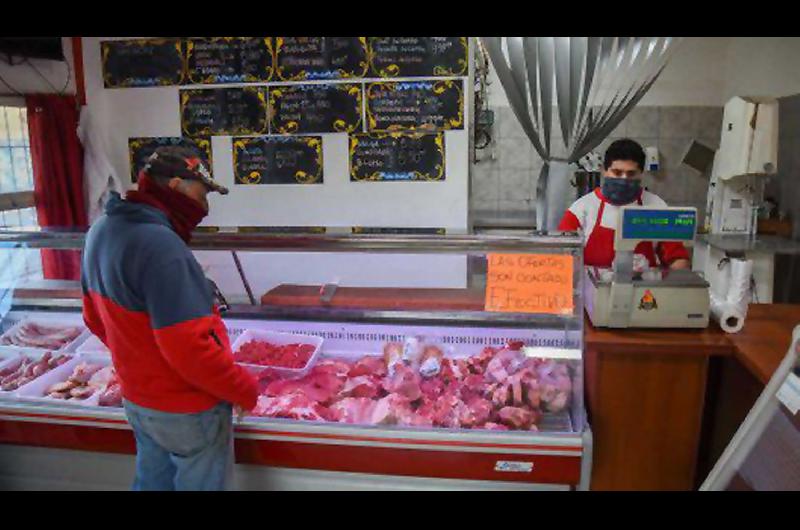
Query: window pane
[16, 133]
[6, 177]
[3, 128]
[24, 119]
[20, 165]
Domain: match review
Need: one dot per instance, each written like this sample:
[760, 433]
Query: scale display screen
[659, 225]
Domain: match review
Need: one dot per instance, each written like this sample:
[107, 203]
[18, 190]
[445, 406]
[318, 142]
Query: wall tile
[516, 185]
[677, 122]
[514, 153]
[506, 124]
[642, 121]
[671, 151]
[485, 182]
[709, 123]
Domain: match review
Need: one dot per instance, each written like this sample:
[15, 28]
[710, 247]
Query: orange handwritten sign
[529, 283]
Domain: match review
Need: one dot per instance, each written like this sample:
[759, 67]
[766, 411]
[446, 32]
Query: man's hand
[239, 413]
[680, 264]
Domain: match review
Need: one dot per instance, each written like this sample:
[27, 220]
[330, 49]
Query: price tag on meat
[529, 283]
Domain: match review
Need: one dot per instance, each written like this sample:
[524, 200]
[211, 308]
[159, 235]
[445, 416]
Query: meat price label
[529, 283]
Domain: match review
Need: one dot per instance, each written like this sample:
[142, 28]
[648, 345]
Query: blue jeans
[183, 452]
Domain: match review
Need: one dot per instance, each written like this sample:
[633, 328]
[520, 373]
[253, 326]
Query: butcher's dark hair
[624, 149]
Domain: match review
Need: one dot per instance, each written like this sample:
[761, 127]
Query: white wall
[707, 71]
[154, 111]
[763, 66]
[24, 79]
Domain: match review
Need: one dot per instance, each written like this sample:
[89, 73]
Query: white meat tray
[279, 339]
[47, 321]
[34, 391]
[93, 346]
[31, 354]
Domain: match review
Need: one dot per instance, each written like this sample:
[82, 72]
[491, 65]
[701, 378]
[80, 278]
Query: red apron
[599, 249]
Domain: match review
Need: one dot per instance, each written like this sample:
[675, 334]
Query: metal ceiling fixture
[591, 82]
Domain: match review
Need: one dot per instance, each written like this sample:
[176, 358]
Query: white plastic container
[46, 321]
[34, 355]
[93, 346]
[34, 392]
[279, 339]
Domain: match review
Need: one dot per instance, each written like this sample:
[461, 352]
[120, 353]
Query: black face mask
[621, 191]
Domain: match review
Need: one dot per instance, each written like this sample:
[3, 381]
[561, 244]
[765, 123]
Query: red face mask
[184, 213]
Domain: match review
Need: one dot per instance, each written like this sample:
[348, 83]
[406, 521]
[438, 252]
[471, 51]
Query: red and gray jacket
[146, 297]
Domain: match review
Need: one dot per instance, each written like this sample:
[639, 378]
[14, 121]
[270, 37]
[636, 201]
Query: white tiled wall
[504, 186]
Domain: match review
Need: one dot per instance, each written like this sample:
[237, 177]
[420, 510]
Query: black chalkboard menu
[140, 149]
[142, 62]
[319, 108]
[396, 157]
[223, 111]
[418, 56]
[229, 60]
[304, 58]
[421, 106]
[277, 160]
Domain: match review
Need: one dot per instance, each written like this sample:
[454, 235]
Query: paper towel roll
[739, 293]
[730, 318]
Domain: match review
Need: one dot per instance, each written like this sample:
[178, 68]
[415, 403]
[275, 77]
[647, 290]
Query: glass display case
[383, 357]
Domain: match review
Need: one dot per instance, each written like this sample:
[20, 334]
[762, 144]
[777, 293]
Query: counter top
[767, 334]
[769, 244]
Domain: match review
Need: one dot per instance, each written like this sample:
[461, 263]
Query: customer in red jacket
[146, 297]
[597, 213]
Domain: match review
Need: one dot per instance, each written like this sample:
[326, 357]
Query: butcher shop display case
[384, 362]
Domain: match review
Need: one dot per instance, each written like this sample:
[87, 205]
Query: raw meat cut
[353, 410]
[33, 335]
[405, 382]
[296, 406]
[495, 389]
[263, 353]
[368, 365]
[26, 369]
[363, 386]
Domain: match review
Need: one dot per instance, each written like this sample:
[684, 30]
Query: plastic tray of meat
[93, 346]
[276, 339]
[42, 333]
[26, 368]
[81, 382]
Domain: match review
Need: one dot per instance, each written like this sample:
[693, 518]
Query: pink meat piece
[432, 388]
[320, 387]
[474, 385]
[477, 363]
[405, 382]
[516, 417]
[84, 371]
[500, 394]
[363, 386]
[494, 426]
[369, 365]
[331, 366]
[555, 385]
[390, 409]
[102, 377]
[504, 364]
[447, 411]
[295, 406]
[480, 412]
[111, 396]
[454, 369]
[353, 410]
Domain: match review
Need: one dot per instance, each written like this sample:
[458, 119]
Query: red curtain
[57, 158]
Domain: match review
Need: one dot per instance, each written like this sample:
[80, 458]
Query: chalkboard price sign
[304, 58]
[418, 56]
[417, 106]
[277, 160]
[396, 157]
[223, 111]
[142, 63]
[140, 149]
[315, 108]
[229, 59]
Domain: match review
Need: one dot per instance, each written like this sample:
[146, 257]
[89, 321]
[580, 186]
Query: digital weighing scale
[622, 298]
